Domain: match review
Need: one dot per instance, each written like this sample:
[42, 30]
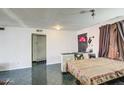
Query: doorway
[38, 48]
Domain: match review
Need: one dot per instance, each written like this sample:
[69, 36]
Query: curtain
[104, 41]
[120, 39]
[113, 46]
[111, 41]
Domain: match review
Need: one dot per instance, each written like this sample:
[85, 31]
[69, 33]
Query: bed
[96, 71]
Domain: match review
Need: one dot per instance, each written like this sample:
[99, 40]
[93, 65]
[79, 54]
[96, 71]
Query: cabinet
[65, 57]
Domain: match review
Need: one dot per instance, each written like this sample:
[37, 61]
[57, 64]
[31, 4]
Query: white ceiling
[45, 18]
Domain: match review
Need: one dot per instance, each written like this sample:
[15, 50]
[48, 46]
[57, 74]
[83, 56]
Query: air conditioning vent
[38, 30]
[2, 28]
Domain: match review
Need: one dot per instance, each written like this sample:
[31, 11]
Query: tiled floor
[40, 74]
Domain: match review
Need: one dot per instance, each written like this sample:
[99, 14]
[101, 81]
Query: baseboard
[20, 68]
[52, 63]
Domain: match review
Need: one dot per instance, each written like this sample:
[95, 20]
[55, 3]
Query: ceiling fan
[92, 11]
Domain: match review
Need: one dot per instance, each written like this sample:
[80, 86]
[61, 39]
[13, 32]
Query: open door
[39, 48]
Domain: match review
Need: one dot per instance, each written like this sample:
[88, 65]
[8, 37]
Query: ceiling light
[57, 27]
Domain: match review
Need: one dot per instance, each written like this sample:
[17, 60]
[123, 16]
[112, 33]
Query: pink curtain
[120, 39]
[111, 42]
[113, 47]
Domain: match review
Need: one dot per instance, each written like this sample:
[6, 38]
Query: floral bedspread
[96, 71]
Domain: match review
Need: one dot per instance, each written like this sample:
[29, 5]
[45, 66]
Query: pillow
[78, 56]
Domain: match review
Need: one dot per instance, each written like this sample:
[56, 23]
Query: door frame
[32, 45]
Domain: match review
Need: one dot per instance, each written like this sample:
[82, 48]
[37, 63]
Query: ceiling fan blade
[82, 12]
[92, 10]
[79, 12]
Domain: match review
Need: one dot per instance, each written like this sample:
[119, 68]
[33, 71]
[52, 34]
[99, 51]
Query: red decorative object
[82, 39]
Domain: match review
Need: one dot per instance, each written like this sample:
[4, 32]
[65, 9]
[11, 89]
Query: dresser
[64, 58]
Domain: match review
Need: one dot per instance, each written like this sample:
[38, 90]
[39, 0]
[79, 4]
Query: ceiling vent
[38, 30]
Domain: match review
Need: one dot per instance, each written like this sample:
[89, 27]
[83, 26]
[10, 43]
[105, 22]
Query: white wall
[15, 46]
[59, 42]
[15, 52]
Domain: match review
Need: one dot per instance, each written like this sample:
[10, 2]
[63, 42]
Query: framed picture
[82, 42]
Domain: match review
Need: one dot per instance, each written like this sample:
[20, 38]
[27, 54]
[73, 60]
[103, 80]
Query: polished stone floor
[40, 74]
